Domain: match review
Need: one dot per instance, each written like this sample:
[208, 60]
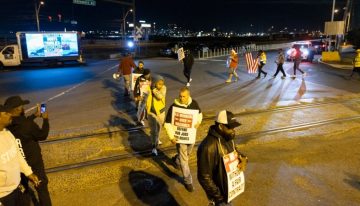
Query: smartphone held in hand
[42, 108]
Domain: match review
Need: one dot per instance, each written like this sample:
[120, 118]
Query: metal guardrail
[208, 53]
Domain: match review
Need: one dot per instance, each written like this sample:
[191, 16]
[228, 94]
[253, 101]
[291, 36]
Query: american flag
[252, 64]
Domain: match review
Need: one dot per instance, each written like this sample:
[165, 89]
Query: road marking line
[72, 88]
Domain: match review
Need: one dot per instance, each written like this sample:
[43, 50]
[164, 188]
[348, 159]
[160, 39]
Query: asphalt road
[305, 167]
[86, 98]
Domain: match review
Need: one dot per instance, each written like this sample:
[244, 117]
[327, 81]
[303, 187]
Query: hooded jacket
[192, 104]
[211, 170]
[11, 164]
[156, 100]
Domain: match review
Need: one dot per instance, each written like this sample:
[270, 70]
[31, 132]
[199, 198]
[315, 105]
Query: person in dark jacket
[188, 63]
[211, 170]
[29, 133]
[12, 163]
[140, 68]
[297, 54]
[181, 159]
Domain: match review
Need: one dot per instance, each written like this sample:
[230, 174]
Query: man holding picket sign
[141, 93]
[183, 118]
[220, 164]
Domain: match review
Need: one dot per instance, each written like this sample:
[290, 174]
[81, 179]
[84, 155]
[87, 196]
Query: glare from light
[130, 44]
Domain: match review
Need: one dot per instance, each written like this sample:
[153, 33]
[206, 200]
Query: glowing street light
[37, 10]
[124, 25]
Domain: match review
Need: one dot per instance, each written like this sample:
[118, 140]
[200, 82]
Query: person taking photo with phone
[28, 134]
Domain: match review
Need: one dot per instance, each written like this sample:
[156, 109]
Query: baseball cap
[15, 101]
[227, 118]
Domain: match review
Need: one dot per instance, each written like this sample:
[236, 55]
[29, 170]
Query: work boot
[236, 78]
[189, 187]
[229, 79]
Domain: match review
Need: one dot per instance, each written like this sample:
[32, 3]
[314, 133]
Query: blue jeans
[184, 151]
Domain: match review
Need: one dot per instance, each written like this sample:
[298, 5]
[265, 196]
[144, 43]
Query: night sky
[228, 15]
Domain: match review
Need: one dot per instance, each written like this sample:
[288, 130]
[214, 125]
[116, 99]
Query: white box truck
[49, 48]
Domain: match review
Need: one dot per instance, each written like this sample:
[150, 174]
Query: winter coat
[211, 170]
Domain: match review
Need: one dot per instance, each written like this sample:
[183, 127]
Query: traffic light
[50, 18]
[59, 17]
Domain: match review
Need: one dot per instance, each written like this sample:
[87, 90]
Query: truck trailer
[45, 48]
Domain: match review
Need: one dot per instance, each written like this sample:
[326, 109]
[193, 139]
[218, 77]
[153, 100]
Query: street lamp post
[124, 25]
[37, 10]
[333, 11]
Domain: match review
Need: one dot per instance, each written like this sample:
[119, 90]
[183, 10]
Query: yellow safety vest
[357, 61]
[263, 57]
[158, 104]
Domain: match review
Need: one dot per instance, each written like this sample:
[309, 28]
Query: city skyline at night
[228, 15]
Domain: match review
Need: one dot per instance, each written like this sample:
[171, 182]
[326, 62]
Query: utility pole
[347, 15]
[333, 11]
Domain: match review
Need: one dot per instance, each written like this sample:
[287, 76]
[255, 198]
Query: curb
[337, 66]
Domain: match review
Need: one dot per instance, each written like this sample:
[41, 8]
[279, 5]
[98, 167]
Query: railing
[208, 53]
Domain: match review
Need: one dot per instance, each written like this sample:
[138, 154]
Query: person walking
[262, 62]
[219, 142]
[297, 60]
[156, 110]
[29, 134]
[280, 59]
[356, 63]
[188, 63]
[140, 68]
[141, 93]
[125, 69]
[233, 64]
[181, 160]
[12, 164]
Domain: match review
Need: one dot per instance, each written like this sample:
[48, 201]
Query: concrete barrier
[330, 56]
[241, 50]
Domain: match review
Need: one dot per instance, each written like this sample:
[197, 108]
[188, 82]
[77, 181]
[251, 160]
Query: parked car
[319, 46]
[169, 51]
[305, 48]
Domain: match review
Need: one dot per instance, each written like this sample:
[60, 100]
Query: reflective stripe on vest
[357, 61]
